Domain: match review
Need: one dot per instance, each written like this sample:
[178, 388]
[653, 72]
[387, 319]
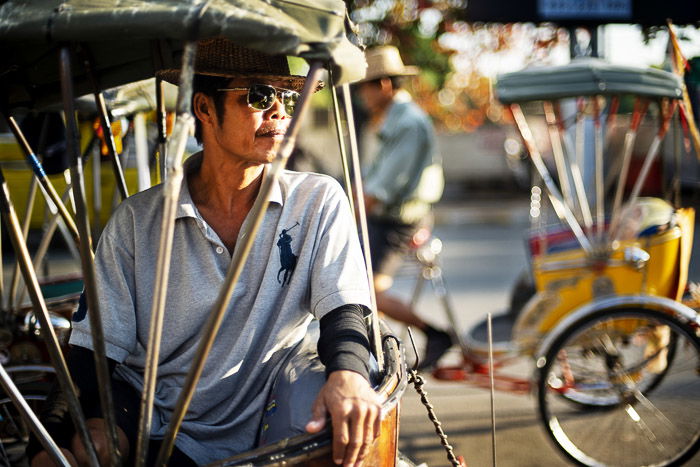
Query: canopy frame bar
[87, 256]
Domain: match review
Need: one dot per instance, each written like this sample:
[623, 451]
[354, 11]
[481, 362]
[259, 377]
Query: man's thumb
[318, 420]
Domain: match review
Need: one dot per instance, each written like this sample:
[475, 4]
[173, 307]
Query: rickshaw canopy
[127, 40]
[586, 77]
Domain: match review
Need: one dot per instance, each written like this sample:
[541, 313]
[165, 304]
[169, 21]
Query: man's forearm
[344, 343]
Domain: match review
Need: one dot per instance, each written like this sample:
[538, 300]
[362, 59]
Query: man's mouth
[270, 132]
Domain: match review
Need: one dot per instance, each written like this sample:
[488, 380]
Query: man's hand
[355, 414]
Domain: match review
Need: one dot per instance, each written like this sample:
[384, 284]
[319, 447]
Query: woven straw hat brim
[293, 82]
[409, 70]
[384, 62]
[219, 56]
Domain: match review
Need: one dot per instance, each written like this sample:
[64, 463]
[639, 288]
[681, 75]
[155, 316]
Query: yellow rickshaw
[614, 338]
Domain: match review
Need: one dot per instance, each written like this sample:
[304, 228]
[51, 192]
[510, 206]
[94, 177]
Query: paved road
[483, 255]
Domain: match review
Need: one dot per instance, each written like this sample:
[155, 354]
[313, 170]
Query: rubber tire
[587, 321]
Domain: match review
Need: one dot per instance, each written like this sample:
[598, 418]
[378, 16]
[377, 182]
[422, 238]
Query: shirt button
[219, 249]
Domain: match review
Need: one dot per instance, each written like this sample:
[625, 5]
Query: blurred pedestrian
[401, 183]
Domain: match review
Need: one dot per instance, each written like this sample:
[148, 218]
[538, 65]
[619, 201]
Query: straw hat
[221, 57]
[385, 61]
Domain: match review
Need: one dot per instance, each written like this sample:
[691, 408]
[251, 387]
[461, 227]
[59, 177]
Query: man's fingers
[372, 428]
[341, 435]
[356, 422]
[377, 422]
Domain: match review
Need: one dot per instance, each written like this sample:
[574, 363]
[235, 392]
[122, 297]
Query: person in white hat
[305, 263]
[403, 180]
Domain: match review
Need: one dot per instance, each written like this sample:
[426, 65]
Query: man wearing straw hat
[305, 263]
[401, 183]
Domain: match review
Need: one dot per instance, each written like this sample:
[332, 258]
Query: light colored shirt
[406, 145]
[308, 218]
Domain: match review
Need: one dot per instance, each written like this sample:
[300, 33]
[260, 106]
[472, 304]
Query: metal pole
[106, 125]
[558, 152]
[86, 257]
[341, 143]
[162, 127]
[640, 109]
[14, 284]
[653, 152]
[598, 166]
[560, 207]
[171, 190]
[375, 336]
[48, 232]
[42, 313]
[575, 172]
[47, 187]
[489, 324]
[28, 415]
[237, 262]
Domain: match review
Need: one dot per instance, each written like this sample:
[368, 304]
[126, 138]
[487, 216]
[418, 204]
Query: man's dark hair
[208, 86]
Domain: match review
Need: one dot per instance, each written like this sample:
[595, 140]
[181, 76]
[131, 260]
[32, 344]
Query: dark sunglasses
[262, 97]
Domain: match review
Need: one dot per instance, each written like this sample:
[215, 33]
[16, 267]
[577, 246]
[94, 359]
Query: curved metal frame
[678, 310]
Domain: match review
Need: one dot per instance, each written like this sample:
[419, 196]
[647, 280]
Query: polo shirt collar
[187, 208]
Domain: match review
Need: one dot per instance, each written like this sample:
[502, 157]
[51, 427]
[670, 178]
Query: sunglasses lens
[261, 97]
[289, 99]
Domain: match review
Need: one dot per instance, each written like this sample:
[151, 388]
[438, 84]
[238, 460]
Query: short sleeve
[114, 271]
[338, 272]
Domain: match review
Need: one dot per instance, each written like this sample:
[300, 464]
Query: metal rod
[106, 125]
[579, 186]
[46, 185]
[341, 143]
[30, 417]
[438, 283]
[599, 168]
[9, 216]
[87, 257]
[14, 285]
[171, 190]
[96, 166]
[375, 336]
[489, 325]
[111, 145]
[49, 230]
[161, 117]
[640, 109]
[580, 148]
[558, 152]
[562, 210]
[241, 252]
[653, 152]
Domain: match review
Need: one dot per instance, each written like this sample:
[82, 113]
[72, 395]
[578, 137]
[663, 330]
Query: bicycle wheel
[634, 376]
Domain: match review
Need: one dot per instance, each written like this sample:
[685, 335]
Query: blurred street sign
[583, 12]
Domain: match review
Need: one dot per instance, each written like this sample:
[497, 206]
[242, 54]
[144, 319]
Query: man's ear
[386, 85]
[203, 108]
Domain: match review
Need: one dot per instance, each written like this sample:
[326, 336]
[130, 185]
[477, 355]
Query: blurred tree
[458, 60]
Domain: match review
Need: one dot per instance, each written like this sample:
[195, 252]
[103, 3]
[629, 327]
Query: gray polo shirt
[307, 234]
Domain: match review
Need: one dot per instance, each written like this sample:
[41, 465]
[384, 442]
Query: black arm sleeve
[55, 415]
[344, 343]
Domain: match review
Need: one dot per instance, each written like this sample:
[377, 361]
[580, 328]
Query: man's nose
[277, 111]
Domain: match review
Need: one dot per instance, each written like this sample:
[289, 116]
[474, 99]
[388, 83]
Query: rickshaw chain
[418, 383]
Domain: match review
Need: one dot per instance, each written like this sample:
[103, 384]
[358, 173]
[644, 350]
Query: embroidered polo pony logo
[288, 260]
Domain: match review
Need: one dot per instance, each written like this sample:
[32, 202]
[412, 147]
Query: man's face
[245, 133]
[375, 94]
